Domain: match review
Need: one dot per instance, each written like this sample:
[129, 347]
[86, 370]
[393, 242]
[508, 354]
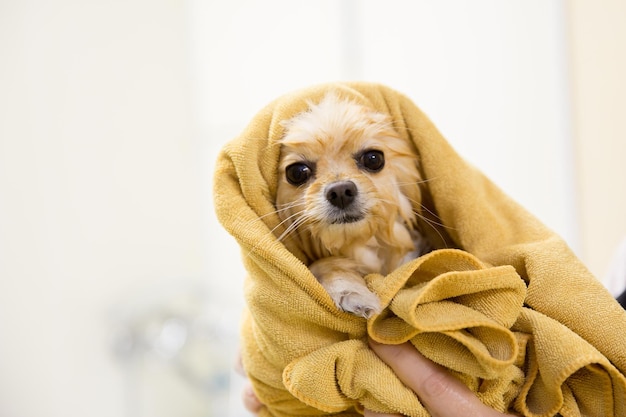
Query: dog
[348, 185]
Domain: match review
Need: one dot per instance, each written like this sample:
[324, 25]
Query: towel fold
[502, 302]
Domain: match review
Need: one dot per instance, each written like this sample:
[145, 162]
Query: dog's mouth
[346, 218]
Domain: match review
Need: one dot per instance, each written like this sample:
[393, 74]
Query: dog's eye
[298, 173]
[372, 160]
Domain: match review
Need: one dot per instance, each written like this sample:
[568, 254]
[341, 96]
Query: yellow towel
[503, 303]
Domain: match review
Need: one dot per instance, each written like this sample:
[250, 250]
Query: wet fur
[331, 137]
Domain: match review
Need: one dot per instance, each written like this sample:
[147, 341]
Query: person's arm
[440, 392]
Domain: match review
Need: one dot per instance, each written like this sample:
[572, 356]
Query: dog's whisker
[283, 208]
[430, 222]
[432, 213]
[298, 202]
[437, 222]
[290, 222]
[277, 212]
[295, 220]
[290, 228]
[416, 182]
[293, 227]
[386, 201]
[263, 216]
[432, 225]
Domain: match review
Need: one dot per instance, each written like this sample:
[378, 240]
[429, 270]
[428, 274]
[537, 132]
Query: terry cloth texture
[503, 302]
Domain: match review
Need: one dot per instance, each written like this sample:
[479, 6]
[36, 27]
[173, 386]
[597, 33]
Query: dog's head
[345, 176]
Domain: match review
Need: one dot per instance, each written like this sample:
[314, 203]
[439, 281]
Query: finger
[250, 400]
[239, 365]
[441, 393]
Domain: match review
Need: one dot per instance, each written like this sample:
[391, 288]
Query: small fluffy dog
[347, 187]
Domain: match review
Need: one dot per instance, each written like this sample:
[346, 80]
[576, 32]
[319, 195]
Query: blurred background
[120, 294]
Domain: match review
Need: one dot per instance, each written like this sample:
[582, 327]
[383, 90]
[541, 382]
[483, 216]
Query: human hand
[441, 393]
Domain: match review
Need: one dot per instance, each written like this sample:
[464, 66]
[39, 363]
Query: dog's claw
[363, 303]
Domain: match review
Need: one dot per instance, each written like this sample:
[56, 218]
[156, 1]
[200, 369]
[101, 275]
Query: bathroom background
[120, 294]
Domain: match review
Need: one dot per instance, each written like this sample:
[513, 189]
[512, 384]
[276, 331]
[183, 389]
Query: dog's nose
[341, 194]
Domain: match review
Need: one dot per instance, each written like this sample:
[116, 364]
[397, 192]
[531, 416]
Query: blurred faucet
[184, 328]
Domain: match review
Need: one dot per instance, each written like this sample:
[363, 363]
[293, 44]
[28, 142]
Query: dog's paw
[355, 299]
[360, 304]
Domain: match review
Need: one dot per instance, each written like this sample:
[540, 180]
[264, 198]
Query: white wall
[598, 37]
[101, 200]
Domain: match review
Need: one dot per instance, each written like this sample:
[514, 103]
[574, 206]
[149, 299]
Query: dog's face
[345, 176]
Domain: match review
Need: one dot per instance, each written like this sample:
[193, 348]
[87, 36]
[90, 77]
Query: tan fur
[329, 138]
